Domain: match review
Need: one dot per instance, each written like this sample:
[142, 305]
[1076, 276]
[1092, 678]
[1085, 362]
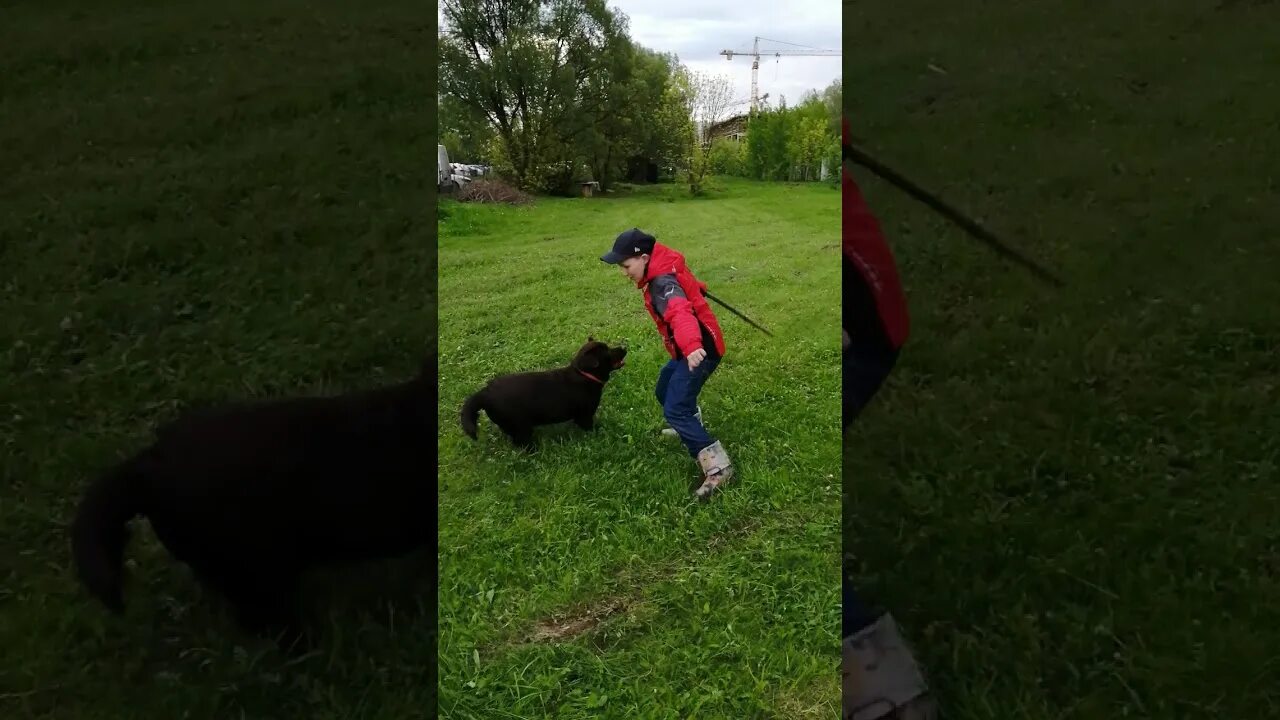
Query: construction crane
[755, 64]
[744, 101]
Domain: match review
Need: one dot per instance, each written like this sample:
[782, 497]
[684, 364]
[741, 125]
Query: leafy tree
[708, 98]
[463, 132]
[536, 71]
[728, 157]
[661, 100]
[833, 99]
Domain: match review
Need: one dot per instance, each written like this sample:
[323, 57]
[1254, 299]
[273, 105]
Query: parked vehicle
[444, 169]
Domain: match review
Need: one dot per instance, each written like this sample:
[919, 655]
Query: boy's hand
[695, 358]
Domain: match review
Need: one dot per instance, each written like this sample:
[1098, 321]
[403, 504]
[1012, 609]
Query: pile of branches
[488, 190]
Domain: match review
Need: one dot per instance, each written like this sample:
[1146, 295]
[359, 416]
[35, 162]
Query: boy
[673, 297]
[881, 678]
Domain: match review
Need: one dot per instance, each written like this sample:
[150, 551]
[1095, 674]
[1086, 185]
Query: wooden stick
[896, 179]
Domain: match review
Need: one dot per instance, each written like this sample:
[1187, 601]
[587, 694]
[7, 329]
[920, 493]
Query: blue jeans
[870, 356]
[856, 614]
[677, 392]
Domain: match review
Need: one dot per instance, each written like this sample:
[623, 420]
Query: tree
[708, 97]
[806, 146]
[606, 142]
[463, 132]
[808, 138]
[644, 121]
[664, 127]
[833, 99]
[535, 71]
[726, 157]
[768, 155]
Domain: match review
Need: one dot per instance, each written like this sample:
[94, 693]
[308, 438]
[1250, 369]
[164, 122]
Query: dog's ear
[589, 361]
[590, 339]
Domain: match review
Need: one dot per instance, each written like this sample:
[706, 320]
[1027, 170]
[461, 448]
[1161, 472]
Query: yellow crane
[754, 52]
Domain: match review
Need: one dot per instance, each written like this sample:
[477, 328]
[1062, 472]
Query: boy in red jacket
[673, 297]
[881, 678]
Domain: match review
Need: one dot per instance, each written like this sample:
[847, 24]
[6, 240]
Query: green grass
[1069, 497]
[200, 203]
[725, 610]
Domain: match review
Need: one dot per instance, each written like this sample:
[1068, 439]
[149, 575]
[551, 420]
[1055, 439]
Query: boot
[668, 432]
[881, 679]
[716, 470]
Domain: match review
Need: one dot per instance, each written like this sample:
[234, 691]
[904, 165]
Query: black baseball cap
[629, 244]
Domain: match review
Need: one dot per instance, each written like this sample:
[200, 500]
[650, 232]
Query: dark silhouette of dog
[519, 402]
[251, 495]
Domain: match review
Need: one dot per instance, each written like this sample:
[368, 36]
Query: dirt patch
[567, 627]
[571, 623]
[819, 700]
[739, 531]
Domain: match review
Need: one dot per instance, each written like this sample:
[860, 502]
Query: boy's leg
[681, 404]
[881, 680]
[681, 411]
[697, 413]
[857, 615]
[664, 381]
[868, 356]
[865, 367]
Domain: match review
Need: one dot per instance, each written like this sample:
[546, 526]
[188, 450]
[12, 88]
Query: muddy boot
[668, 432]
[881, 680]
[716, 470]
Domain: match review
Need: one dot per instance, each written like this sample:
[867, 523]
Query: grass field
[582, 581]
[1069, 498]
[201, 202]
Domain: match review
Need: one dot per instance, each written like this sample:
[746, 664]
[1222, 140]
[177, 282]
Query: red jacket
[865, 247]
[680, 306]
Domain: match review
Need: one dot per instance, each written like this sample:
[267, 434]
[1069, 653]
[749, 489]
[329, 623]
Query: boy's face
[634, 267]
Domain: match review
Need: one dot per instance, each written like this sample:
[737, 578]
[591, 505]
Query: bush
[728, 158]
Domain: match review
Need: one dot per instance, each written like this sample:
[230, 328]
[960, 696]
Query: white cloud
[697, 30]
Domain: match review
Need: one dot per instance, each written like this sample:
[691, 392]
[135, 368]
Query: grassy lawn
[1069, 497]
[199, 202]
[582, 581]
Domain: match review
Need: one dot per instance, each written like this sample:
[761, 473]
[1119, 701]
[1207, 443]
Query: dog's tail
[101, 531]
[471, 408]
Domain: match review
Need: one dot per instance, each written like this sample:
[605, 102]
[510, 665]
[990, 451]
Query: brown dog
[250, 495]
[519, 402]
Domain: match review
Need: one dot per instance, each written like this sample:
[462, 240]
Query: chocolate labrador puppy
[519, 402]
[250, 495]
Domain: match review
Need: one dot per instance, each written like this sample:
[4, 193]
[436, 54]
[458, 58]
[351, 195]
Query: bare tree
[709, 98]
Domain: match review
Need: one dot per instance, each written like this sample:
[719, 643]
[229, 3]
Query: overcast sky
[697, 30]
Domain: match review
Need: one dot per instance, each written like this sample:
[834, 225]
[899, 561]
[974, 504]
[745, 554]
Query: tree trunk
[603, 176]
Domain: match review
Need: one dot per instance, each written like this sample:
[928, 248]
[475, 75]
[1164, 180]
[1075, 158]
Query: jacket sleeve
[674, 307]
[865, 248]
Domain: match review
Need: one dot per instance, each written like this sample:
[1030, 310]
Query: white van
[443, 169]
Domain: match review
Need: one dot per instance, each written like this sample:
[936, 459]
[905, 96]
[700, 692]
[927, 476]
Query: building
[733, 128]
